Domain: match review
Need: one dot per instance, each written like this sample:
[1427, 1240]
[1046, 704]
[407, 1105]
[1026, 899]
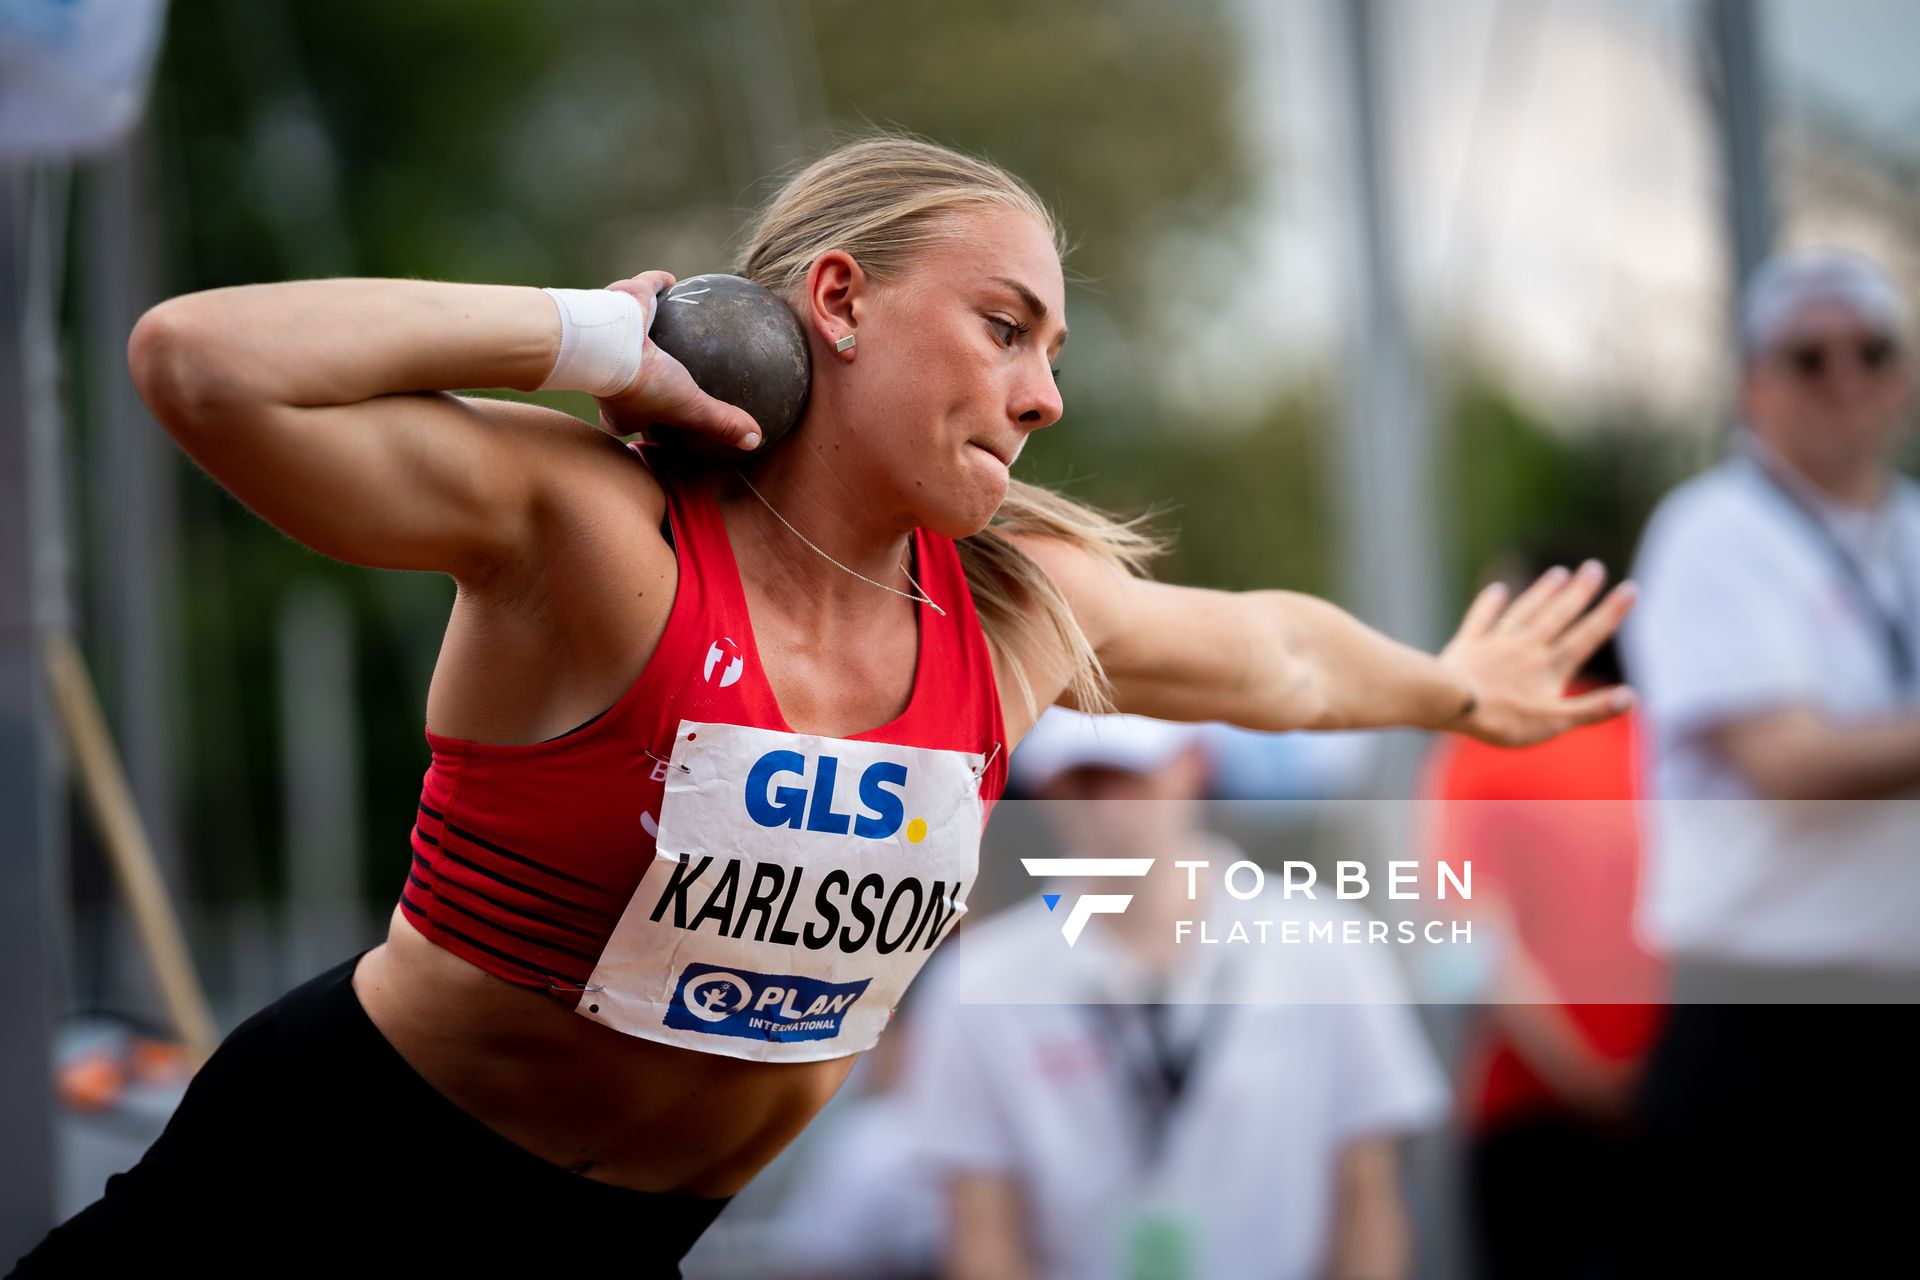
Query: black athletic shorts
[306, 1145]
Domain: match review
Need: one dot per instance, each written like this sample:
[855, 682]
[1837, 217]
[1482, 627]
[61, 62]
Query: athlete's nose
[1037, 402]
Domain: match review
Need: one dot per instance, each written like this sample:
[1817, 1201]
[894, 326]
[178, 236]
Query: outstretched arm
[1278, 660]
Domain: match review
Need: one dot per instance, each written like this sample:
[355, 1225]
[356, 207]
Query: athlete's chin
[958, 521]
[963, 501]
[973, 506]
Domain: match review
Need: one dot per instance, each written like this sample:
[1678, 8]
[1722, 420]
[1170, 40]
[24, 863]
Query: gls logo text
[810, 805]
[1087, 905]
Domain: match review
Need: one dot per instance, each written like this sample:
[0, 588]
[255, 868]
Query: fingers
[1601, 704]
[1592, 630]
[1527, 607]
[1484, 611]
[670, 396]
[729, 424]
[647, 286]
[1568, 603]
[647, 282]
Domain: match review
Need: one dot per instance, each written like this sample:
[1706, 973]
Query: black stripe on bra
[528, 965]
[495, 925]
[534, 916]
[524, 860]
[527, 889]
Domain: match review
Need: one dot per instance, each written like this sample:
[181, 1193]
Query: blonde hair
[883, 199]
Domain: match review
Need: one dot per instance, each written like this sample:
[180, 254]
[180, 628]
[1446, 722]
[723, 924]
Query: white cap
[1788, 283]
[1064, 739]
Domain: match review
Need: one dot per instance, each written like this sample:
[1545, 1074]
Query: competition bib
[798, 884]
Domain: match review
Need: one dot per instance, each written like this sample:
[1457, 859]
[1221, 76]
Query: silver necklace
[922, 597]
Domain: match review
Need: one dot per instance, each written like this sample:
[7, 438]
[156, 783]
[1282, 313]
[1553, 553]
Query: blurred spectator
[1775, 648]
[861, 1206]
[1134, 1121]
[1249, 765]
[1548, 1082]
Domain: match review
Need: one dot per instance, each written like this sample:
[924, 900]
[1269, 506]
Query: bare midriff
[577, 1094]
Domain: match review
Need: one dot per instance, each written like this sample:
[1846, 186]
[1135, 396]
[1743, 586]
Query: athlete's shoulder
[1076, 569]
[574, 460]
[591, 500]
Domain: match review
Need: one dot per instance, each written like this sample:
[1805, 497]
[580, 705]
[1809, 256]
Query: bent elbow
[176, 368]
[1306, 701]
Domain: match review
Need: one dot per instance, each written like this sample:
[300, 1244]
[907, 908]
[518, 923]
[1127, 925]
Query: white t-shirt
[861, 1202]
[1046, 1092]
[1745, 609]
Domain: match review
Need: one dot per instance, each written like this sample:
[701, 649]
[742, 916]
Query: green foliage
[1518, 483]
[1246, 506]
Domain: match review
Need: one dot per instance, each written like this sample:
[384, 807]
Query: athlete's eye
[1014, 329]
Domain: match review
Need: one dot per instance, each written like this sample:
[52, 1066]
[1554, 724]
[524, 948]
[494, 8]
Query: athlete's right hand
[664, 392]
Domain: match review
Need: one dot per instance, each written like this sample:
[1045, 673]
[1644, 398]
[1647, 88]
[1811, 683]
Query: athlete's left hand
[1519, 657]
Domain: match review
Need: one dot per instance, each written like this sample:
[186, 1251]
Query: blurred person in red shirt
[1552, 1066]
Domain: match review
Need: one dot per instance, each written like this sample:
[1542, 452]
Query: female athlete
[712, 744]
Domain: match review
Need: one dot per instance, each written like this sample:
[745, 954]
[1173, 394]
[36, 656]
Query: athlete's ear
[838, 290]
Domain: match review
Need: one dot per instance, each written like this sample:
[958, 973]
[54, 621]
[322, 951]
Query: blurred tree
[1246, 503]
[1516, 481]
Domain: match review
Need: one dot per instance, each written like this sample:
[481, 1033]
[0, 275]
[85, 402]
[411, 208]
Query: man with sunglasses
[1777, 650]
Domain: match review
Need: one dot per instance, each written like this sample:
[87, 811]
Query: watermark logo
[1087, 905]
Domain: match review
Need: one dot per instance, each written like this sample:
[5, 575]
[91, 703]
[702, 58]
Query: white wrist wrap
[602, 333]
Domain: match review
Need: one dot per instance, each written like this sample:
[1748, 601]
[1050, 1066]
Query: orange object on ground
[158, 1061]
[92, 1082]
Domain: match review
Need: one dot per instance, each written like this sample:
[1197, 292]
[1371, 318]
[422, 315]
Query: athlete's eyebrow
[1033, 303]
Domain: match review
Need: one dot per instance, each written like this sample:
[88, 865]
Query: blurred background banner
[1374, 299]
[74, 73]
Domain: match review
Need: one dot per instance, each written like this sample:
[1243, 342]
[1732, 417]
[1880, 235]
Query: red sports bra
[687, 868]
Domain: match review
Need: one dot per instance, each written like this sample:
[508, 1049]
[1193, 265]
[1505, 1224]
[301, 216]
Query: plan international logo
[1087, 905]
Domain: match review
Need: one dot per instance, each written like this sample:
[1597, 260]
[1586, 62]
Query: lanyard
[1160, 1080]
[1896, 626]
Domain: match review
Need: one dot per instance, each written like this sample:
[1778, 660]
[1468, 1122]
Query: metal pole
[32, 571]
[1384, 455]
[1385, 479]
[1736, 87]
[130, 478]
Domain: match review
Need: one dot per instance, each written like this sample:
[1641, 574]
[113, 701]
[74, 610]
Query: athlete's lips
[1004, 458]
